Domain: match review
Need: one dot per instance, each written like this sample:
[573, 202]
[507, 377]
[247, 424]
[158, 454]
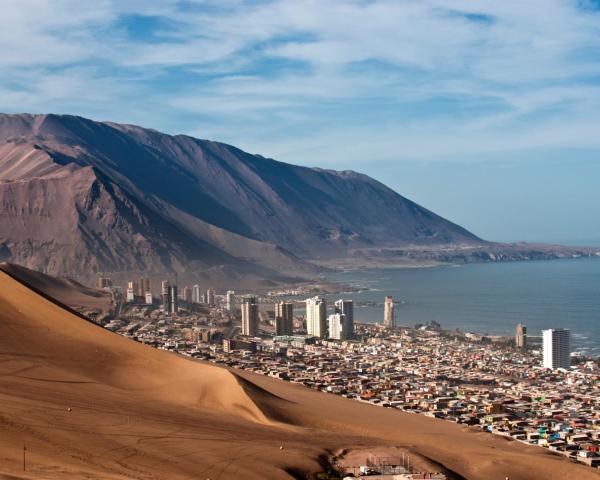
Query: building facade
[388, 312]
[174, 299]
[316, 317]
[143, 286]
[284, 318]
[148, 298]
[196, 294]
[187, 294]
[230, 300]
[165, 294]
[210, 298]
[337, 326]
[131, 290]
[250, 316]
[346, 307]
[557, 348]
[521, 336]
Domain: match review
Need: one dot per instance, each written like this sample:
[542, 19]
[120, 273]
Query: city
[527, 389]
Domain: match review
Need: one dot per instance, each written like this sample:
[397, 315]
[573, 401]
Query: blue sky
[487, 112]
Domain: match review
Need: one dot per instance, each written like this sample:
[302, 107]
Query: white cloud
[341, 81]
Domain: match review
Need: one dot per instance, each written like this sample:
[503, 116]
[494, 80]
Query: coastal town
[527, 389]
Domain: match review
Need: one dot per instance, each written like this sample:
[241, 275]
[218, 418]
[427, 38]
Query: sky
[486, 112]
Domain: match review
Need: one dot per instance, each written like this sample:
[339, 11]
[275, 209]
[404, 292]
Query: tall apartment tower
[174, 299]
[284, 318]
[346, 307]
[143, 286]
[521, 336]
[557, 348]
[337, 326]
[388, 312]
[187, 294]
[210, 298]
[250, 316]
[131, 291]
[165, 294]
[316, 317]
[148, 298]
[230, 300]
[196, 295]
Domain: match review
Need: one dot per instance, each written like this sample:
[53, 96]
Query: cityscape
[299, 240]
[528, 389]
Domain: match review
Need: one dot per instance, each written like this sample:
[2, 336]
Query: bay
[487, 298]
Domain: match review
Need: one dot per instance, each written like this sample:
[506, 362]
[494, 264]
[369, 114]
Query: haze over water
[489, 297]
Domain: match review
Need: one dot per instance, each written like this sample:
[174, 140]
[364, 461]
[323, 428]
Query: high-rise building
[165, 293]
[521, 336]
[250, 316]
[131, 290]
[187, 294]
[316, 317]
[196, 294]
[388, 312]
[143, 286]
[337, 326]
[284, 318]
[210, 298]
[174, 297]
[557, 348]
[148, 298]
[230, 300]
[347, 308]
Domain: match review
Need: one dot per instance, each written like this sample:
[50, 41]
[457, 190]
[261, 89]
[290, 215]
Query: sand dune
[87, 403]
[64, 290]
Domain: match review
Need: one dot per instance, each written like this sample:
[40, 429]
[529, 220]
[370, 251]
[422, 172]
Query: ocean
[487, 298]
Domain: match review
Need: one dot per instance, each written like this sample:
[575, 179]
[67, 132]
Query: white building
[316, 317]
[230, 300]
[557, 348]
[388, 314]
[174, 299]
[337, 326]
[149, 299]
[347, 308]
[130, 294]
[196, 294]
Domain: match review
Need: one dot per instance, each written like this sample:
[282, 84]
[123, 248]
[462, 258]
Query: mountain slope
[87, 403]
[125, 198]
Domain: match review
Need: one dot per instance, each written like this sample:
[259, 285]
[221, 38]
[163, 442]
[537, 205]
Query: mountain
[78, 195]
[82, 402]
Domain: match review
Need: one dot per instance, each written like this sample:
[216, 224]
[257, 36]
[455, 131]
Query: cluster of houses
[482, 382]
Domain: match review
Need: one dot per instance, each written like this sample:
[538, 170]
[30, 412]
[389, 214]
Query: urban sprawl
[524, 388]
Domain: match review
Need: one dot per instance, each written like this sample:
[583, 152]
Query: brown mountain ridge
[78, 195]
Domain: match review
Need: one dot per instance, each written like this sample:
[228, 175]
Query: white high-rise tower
[230, 300]
[557, 348]
[316, 317]
[345, 307]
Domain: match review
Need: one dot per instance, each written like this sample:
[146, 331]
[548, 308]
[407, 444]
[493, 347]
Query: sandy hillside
[65, 290]
[88, 403]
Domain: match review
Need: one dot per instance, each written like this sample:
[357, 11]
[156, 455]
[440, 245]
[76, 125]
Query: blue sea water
[488, 297]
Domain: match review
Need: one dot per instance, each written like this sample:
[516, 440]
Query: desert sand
[87, 403]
